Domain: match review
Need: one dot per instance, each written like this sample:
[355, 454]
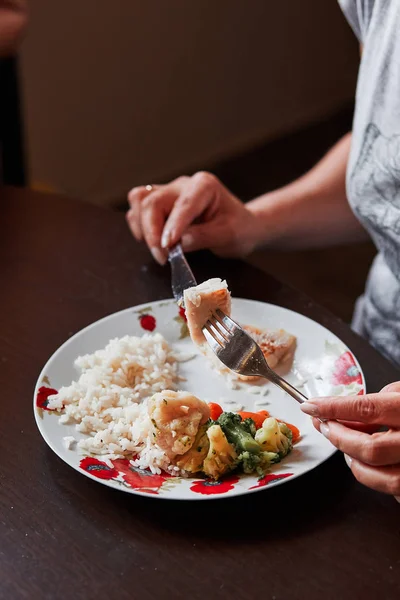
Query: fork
[232, 345]
[237, 350]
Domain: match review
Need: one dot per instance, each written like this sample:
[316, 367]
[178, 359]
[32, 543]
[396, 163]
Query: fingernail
[348, 460]
[397, 498]
[158, 256]
[324, 429]
[310, 409]
[187, 241]
[166, 238]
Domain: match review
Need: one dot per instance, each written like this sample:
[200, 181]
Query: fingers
[392, 387]
[366, 428]
[149, 207]
[153, 213]
[384, 479]
[378, 449]
[205, 235]
[379, 409]
[200, 193]
[135, 198]
[163, 215]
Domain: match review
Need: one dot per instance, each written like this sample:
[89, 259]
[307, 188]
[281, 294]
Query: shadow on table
[283, 510]
[309, 502]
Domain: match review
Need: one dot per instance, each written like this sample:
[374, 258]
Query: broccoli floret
[251, 456]
[221, 457]
[257, 463]
[238, 433]
[236, 443]
[275, 437]
[249, 425]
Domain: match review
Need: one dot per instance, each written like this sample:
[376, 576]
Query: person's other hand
[13, 20]
[373, 459]
[199, 210]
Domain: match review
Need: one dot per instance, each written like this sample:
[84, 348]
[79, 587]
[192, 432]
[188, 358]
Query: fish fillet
[277, 346]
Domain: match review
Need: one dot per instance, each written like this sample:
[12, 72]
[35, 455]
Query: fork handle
[286, 386]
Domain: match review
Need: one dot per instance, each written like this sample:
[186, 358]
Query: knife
[181, 274]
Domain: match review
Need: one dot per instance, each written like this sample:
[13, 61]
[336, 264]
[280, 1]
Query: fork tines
[220, 327]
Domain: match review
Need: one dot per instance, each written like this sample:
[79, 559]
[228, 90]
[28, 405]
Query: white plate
[323, 366]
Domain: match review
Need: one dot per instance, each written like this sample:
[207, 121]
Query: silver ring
[149, 188]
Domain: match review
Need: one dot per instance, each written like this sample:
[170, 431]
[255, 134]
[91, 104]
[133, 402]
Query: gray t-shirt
[373, 175]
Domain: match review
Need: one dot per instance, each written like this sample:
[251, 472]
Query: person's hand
[13, 20]
[374, 459]
[198, 210]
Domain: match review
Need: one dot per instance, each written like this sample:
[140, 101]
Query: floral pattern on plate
[209, 486]
[123, 472]
[269, 478]
[42, 398]
[182, 321]
[346, 377]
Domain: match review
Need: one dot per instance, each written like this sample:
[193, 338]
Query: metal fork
[237, 350]
[232, 345]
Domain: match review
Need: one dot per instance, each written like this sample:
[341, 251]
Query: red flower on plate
[182, 321]
[139, 478]
[147, 322]
[269, 479]
[98, 468]
[42, 397]
[346, 371]
[209, 486]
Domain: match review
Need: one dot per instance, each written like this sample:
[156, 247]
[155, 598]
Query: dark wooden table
[64, 264]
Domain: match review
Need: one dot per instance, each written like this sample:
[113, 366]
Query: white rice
[108, 401]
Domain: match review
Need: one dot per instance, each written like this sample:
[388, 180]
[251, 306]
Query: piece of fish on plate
[277, 346]
[203, 300]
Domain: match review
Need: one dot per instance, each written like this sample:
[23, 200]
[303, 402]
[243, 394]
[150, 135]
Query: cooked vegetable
[275, 437]
[249, 426]
[221, 457]
[215, 410]
[231, 442]
[265, 413]
[295, 431]
[239, 433]
[192, 460]
[257, 463]
[258, 417]
[252, 457]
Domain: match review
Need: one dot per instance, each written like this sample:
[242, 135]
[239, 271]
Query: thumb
[204, 235]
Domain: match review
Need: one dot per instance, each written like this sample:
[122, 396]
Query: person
[13, 21]
[354, 191]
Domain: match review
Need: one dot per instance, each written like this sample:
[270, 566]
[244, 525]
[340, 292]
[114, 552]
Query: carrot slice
[258, 418]
[265, 413]
[215, 410]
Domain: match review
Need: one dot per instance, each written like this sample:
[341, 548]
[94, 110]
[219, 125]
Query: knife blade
[181, 274]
